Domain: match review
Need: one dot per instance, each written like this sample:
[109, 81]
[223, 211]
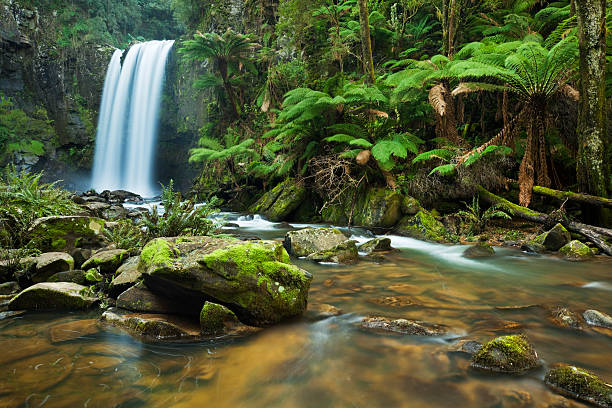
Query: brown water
[330, 363]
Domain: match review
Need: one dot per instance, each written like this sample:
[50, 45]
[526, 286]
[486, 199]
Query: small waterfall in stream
[129, 119]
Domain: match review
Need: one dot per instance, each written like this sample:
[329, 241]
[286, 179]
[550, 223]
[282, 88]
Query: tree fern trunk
[366, 41]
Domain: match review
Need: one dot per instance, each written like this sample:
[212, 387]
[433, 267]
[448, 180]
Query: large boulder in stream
[278, 203]
[506, 354]
[310, 240]
[65, 233]
[597, 318]
[343, 253]
[256, 280]
[108, 261]
[576, 251]
[53, 296]
[423, 225]
[580, 384]
[554, 239]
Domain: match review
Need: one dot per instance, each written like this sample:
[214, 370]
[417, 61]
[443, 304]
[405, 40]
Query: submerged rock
[554, 239]
[506, 354]
[376, 245]
[580, 384]
[576, 250]
[107, 261]
[423, 226]
[156, 326]
[310, 240]
[50, 263]
[256, 280]
[344, 253]
[564, 317]
[65, 233]
[403, 326]
[480, 250]
[320, 311]
[51, 296]
[278, 203]
[597, 318]
[73, 330]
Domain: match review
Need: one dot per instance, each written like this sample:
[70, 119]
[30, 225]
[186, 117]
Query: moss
[345, 253]
[43, 297]
[576, 250]
[579, 383]
[511, 354]
[423, 225]
[214, 317]
[158, 252]
[62, 233]
[278, 203]
[378, 207]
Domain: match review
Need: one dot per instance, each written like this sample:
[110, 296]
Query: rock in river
[376, 245]
[506, 354]
[576, 251]
[554, 239]
[107, 261]
[597, 318]
[480, 250]
[256, 280]
[580, 384]
[310, 240]
[51, 296]
[402, 326]
[343, 253]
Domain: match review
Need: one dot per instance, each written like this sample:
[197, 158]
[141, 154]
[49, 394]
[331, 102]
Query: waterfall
[129, 119]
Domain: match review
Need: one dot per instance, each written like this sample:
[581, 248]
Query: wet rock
[256, 280]
[95, 208]
[76, 276]
[217, 319]
[403, 326]
[378, 208]
[50, 263]
[516, 399]
[554, 239]
[278, 203]
[51, 296]
[126, 276]
[376, 245]
[73, 330]
[64, 233]
[231, 225]
[9, 288]
[115, 212]
[139, 298]
[320, 311]
[597, 318]
[393, 301]
[532, 247]
[119, 196]
[157, 326]
[423, 226]
[11, 313]
[506, 354]
[344, 253]
[80, 255]
[410, 206]
[466, 346]
[564, 317]
[309, 240]
[580, 384]
[576, 251]
[107, 261]
[480, 250]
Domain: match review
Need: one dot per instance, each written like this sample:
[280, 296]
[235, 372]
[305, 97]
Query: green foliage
[179, 217]
[94, 276]
[476, 219]
[125, 235]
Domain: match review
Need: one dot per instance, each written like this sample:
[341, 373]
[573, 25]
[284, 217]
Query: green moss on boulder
[379, 207]
[376, 245]
[310, 240]
[554, 239]
[343, 253]
[216, 318]
[107, 261]
[280, 202]
[479, 250]
[50, 263]
[53, 296]
[423, 226]
[65, 233]
[580, 384]
[506, 354]
[576, 250]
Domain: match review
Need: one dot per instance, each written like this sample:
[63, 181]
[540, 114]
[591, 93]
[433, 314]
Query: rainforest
[314, 203]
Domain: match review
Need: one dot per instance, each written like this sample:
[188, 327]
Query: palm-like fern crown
[230, 47]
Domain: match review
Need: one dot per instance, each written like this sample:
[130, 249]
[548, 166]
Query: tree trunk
[592, 165]
[366, 42]
[575, 197]
[229, 91]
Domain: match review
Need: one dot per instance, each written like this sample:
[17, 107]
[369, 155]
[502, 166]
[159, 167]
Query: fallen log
[570, 196]
[598, 235]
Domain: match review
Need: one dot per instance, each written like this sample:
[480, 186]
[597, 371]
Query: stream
[331, 362]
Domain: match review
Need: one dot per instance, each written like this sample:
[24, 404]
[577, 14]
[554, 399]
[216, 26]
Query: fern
[444, 170]
[441, 154]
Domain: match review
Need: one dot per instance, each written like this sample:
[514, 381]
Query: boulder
[126, 276]
[480, 250]
[402, 326]
[217, 319]
[532, 247]
[278, 203]
[155, 326]
[8, 288]
[65, 233]
[376, 245]
[76, 276]
[95, 208]
[422, 226]
[597, 318]
[115, 212]
[506, 354]
[576, 250]
[378, 208]
[139, 298]
[50, 263]
[554, 239]
[410, 205]
[52, 296]
[107, 260]
[256, 280]
[563, 317]
[320, 311]
[80, 255]
[343, 253]
[311, 240]
[580, 384]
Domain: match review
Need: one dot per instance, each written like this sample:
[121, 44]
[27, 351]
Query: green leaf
[361, 143]
[444, 170]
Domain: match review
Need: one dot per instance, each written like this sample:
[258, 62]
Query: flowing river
[331, 362]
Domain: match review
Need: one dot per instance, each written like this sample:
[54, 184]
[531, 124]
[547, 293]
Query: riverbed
[331, 362]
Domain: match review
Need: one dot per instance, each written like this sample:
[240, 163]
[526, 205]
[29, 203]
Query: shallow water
[330, 363]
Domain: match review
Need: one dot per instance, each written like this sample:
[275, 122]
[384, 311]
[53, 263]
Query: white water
[129, 120]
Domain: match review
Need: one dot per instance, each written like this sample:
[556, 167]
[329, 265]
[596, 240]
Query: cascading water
[129, 119]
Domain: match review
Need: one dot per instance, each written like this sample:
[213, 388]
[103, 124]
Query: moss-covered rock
[580, 384]
[343, 253]
[107, 261]
[126, 276]
[139, 298]
[402, 326]
[152, 326]
[310, 240]
[278, 203]
[216, 319]
[52, 296]
[335, 214]
[65, 233]
[423, 226]
[256, 280]
[554, 239]
[50, 263]
[597, 318]
[506, 354]
[563, 317]
[75, 276]
[379, 207]
[410, 205]
[8, 288]
[576, 250]
[479, 250]
[376, 245]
